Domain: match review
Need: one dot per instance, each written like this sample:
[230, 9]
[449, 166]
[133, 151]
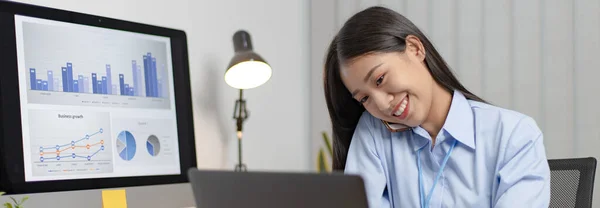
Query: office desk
[163, 196]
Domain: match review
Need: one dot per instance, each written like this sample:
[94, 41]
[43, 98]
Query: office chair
[572, 182]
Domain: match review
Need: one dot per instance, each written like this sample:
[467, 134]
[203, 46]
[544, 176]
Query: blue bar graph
[69, 77]
[99, 86]
[86, 84]
[104, 85]
[94, 81]
[122, 84]
[38, 84]
[32, 79]
[149, 81]
[108, 79]
[147, 76]
[159, 87]
[65, 81]
[126, 90]
[156, 87]
[152, 62]
[80, 86]
[151, 76]
[135, 80]
[138, 88]
[50, 81]
[76, 84]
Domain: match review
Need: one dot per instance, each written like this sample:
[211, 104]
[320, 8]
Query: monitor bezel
[12, 175]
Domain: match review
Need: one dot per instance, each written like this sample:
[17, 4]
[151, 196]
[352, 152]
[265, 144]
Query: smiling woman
[391, 95]
[366, 53]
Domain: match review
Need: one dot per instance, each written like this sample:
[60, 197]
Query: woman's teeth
[402, 107]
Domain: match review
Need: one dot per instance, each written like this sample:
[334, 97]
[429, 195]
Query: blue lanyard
[425, 203]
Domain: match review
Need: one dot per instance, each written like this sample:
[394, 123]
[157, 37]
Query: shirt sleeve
[524, 174]
[363, 160]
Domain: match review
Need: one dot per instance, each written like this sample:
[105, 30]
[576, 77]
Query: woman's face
[395, 87]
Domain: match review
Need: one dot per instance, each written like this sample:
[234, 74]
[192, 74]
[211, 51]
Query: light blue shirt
[498, 161]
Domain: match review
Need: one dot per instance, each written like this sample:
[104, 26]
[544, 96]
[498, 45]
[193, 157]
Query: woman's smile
[401, 109]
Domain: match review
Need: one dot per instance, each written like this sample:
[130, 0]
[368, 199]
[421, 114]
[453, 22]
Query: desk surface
[175, 195]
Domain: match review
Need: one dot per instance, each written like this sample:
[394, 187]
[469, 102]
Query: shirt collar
[459, 123]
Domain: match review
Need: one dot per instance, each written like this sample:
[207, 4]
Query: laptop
[228, 189]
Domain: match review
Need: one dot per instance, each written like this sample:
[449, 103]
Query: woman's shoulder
[366, 122]
[370, 128]
[510, 120]
[370, 123]
[364, 138]
[486, 109]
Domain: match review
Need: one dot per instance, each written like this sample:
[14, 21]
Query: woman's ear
[415, 47]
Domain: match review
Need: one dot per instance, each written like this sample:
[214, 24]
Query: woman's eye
[364, 99]
[379, 80]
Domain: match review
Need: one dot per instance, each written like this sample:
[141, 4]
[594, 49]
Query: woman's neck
[440, 105]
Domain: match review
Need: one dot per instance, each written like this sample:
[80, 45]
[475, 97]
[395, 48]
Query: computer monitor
[91, 102]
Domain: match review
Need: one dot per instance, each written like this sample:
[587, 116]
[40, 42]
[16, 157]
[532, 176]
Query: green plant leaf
[8, 205]
[2, 193]
[322, 162]
[14, 200]
[23, 200]
[327, 143]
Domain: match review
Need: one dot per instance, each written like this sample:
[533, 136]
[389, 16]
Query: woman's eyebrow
[371, 72]
[367, 77]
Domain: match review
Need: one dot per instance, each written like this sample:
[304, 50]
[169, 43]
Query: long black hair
[375, 29]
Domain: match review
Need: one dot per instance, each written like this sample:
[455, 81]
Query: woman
[424, 139]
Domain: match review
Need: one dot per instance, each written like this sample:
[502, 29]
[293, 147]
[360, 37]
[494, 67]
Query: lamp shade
[246, 69]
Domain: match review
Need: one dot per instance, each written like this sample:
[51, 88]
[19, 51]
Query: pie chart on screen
[126, 145]
[153, 145]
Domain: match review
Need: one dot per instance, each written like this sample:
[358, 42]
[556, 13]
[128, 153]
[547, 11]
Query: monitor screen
[95, 102]
[90, 102]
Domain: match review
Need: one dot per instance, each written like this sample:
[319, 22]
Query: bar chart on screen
[145, 81]
[148, 82]
[119, 72]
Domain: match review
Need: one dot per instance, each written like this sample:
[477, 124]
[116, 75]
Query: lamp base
[241, 168]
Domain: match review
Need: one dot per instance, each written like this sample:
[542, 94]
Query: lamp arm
[235, 109]
[240, 115]
[240, 112]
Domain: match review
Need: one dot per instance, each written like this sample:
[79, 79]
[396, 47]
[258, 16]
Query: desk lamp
[246, 70]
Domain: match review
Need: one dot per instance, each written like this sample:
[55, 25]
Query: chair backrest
[572, 182]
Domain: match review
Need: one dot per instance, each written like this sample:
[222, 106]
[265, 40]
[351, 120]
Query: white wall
[538, 57]
[276, 135]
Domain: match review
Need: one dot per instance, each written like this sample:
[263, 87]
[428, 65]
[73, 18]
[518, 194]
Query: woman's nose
[383, 101]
